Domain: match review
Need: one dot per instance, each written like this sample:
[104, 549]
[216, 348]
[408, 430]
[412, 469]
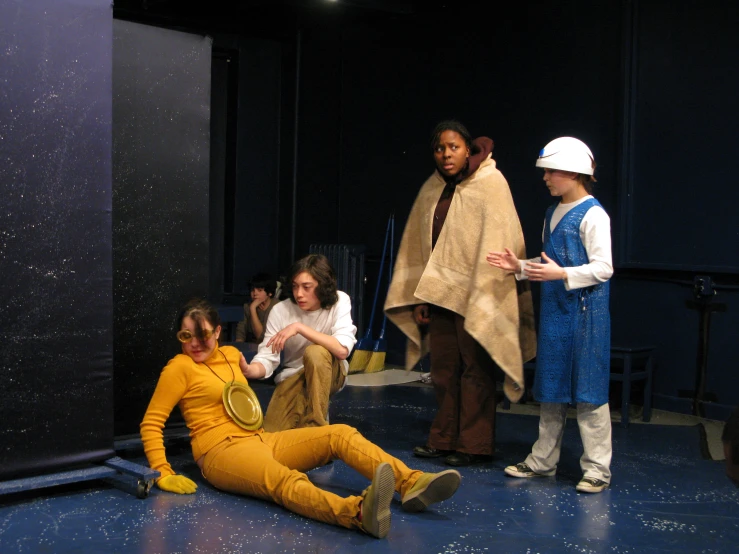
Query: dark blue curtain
[161, 164]
[56, 309]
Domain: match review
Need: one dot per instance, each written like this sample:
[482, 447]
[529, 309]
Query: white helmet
[567, 154]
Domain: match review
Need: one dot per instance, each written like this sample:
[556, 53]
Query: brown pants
[302, 399]
[463, 375]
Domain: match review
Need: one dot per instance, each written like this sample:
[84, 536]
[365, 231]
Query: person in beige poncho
[478, 317]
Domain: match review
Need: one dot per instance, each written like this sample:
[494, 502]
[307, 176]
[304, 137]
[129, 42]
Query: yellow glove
[178, 484]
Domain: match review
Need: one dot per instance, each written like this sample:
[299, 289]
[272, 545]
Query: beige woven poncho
[498, 310]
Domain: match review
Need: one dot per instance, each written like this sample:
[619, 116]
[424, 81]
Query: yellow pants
[271, 466]
[302, 399]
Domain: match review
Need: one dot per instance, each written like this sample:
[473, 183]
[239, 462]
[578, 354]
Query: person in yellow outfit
[266, 465]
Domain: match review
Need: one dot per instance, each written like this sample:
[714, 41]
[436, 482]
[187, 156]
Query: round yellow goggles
[186, 336]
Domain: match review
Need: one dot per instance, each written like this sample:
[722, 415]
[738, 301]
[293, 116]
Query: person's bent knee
[316, 354]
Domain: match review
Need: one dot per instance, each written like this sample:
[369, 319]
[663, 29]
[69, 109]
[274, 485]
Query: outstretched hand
[178, 484]
[548, 271]
[504, 260]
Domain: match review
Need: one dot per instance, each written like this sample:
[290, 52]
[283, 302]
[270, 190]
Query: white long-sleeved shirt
[595, 234]
[335, 321]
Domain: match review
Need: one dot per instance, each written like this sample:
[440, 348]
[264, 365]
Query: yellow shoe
[430, 488]
[376, 502]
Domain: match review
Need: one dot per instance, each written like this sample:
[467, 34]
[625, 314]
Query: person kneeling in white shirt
[313, 330]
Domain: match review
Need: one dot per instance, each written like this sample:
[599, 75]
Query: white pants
[595, 433]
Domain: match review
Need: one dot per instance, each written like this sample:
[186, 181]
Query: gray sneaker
[522, 470]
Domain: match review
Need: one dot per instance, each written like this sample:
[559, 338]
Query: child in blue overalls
[573, 354]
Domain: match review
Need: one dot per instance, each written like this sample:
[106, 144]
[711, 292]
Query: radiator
[348, 263]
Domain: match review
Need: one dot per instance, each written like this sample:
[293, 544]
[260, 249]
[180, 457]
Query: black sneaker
[591, 484]
[522, 470]
[428, 452]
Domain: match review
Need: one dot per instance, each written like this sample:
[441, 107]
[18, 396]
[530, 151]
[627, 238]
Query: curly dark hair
[450, 125]
[199, 310]
[318, 266]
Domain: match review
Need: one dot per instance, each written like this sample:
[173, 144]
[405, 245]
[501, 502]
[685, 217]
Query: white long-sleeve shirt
[595, 234]
[335, 321]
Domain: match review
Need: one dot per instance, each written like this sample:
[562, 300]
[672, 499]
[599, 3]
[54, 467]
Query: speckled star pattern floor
[665, 498]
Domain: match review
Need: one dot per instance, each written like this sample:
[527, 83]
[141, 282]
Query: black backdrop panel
[681, 210]
[161, 121]
[55, 235]
[258, 142]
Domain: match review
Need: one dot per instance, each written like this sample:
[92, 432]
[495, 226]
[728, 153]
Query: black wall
[681, 116]
[376, 89]
[675, 226]
[650, 86]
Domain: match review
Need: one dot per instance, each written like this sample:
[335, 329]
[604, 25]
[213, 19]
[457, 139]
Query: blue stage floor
[665, 498]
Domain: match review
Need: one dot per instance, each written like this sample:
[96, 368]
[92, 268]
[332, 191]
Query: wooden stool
[628, 355]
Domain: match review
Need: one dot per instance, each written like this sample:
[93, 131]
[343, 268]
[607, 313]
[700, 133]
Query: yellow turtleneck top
[198, 391]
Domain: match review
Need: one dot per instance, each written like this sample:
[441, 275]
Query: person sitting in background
[244, 459]
[251, 329]
[730, 438]
[314, 331]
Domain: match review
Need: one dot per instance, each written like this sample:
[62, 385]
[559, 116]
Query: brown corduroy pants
[463, 375]
[302, 399]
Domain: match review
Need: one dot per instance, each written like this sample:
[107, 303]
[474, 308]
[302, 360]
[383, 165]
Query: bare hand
[251, 371]
[548, 271]
[421, 314]
[504, 260]
[243, 365]
[278, 340]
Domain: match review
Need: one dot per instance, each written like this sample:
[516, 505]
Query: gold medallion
[242, 405]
